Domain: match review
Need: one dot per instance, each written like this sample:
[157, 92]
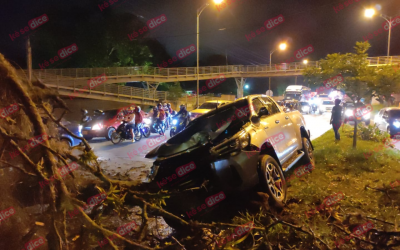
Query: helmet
[165, 104]
[182, 107]
[154, 108]
[168, 105]
[159, 105]
[84, 111]
[137, 109]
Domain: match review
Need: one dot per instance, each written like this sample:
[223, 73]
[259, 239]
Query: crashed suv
[233, 148]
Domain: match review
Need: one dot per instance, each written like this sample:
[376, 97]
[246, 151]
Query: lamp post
[282, 46]
[370, 13]
[199, 11]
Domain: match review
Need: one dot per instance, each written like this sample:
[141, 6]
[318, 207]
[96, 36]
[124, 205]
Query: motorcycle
[156, 128]
[146, 127]
[122, 133]
[314, 108]
[178, 124]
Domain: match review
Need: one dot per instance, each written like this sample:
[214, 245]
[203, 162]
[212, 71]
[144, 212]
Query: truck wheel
[272, 181]
[308, 156]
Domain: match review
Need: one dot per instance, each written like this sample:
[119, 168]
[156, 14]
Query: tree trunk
[355, 133]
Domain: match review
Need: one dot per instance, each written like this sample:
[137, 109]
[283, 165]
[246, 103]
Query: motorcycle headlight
[96, 127]
[147, 120]
[80, 128]
[349, 112]
[174, 122]
[396, 124]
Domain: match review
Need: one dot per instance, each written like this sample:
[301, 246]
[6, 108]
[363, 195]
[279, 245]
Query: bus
[297, 92]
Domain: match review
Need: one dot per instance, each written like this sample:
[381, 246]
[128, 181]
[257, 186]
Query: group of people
[162, 115]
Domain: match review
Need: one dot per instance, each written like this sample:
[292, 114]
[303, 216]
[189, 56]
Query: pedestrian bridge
[74, 81]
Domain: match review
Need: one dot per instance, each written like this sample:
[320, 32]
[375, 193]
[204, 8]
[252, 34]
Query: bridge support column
[153, 88]
[240, 84]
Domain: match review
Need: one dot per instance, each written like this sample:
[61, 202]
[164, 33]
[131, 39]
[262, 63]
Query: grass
[340, 168]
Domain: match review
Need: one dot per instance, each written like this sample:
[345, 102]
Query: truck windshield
[292, 95]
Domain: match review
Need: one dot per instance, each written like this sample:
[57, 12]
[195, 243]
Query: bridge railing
[82, 73]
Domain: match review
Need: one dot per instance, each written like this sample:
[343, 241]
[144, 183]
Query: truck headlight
[147, 120]
[349, 112]
[96, 127]
[396, 124]
[174, 122]
[244, 140]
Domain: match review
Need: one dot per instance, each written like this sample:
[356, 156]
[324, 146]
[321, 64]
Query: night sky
[222, 30]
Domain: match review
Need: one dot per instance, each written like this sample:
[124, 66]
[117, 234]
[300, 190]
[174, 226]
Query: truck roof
[296, 88]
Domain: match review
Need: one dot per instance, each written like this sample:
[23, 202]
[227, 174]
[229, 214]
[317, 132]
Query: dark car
[68, 139]
[348, 111]
[388, 120]
[101, 125]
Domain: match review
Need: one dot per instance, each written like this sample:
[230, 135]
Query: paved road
[128, 158]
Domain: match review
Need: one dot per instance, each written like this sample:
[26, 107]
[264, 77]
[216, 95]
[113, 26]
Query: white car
[326, 106]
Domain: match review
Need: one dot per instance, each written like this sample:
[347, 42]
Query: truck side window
[257, 105]
[271, 106]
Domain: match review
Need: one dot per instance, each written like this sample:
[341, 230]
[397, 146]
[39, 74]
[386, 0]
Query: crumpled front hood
[198, 132]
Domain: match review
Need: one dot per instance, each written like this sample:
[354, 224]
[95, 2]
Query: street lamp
[305, 61]
[370, 13]
[199, 11]
[282, 46]
[246, 86]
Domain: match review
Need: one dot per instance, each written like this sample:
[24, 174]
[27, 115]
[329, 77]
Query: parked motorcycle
[122, 133]
[178, 124]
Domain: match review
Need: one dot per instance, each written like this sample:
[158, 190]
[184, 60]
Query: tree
[358, 78]
[386, 82]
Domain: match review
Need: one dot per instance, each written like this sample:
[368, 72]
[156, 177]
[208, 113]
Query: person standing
[336, 118]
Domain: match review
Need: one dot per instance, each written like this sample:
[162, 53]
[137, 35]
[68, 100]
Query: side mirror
[255, 119]
[263, 111]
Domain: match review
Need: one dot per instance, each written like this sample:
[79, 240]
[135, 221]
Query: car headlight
[306, 108]
[174, 122]
[147, 120]
[80, 128]
[96, 127]
[367, 116]
[349, 112]
[396, 124]
[244, 140]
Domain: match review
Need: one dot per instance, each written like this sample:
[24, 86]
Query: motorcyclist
[169, 108]
[160, 116]
[184, 114]
[85, 117]
[138, 117]
[167, 114]
[129, 117]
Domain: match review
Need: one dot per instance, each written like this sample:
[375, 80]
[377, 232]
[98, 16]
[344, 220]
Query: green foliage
[370, 133]
[385, 82]
[353, 67]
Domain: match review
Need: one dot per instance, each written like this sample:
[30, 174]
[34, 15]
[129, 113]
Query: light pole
[282, 46]
[370, 13]
[199, 11]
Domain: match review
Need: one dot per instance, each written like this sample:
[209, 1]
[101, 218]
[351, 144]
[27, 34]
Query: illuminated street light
[305, 61]
[370, 13]
[282, 46]
[246, 86]
[199, 11]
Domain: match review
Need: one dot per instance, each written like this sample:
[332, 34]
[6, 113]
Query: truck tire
[272, 181]
[308, 156]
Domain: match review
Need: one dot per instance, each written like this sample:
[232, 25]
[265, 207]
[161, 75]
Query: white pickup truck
[241, 144]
